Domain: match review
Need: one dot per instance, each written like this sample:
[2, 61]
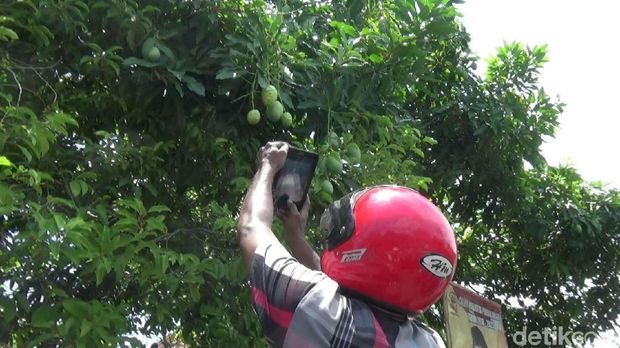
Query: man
[390, 255]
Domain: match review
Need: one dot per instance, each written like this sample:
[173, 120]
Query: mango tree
[129, 130]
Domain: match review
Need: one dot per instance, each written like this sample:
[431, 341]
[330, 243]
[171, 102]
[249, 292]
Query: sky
[583, 52]
[583, 70]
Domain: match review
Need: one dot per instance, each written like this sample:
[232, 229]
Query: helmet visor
[337, 222]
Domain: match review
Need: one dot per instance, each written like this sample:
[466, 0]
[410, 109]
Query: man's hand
[273, 155]
[294, 222]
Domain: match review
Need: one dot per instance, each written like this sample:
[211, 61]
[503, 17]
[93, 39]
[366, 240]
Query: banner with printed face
[472, 321]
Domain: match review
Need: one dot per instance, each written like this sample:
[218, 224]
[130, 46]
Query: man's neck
[394, 315]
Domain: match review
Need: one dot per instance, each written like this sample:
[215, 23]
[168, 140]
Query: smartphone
[293, 180]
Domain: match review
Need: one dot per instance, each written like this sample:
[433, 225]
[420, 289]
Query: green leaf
[159, 209]
[308, 104]
[397, 148]
[375, 58]
[164, 263]
[166, 51]
[131, 39]
[86, 59]
[7, 34]
[5, 162]
[85, 329]
[151, 188]
[429, 141]
[179, 88]
[140, 62]
[58, 121]
[100, 272]
[44, 316]
[113, 65]
[59, 292]
[481, 130]
[194, 85]
[41, 34]
[5, 19]
[226, 73]
[178, 74]
[40, 339]
[127, 224]
[156, 224]
[78, 224]
[75, 187]
[286, 98]
[441, 27]
[343, 27]
[418, 152]
[93, 46]
[193, 290]
[26, 153]
[83, 187]
[76, 308]
[61, 201]
[7, 199]
[9, 309]
[262, 82]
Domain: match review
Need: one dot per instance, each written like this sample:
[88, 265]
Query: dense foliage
[125, 151]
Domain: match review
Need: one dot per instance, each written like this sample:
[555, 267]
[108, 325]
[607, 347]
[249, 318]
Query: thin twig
[239, 98]
[19, 96]
[28, 66]
[48, 85]
[24, 89]
[19, 86]
[180, 230]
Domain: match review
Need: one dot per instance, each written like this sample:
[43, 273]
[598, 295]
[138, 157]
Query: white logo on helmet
[352, 255]
[437, 264]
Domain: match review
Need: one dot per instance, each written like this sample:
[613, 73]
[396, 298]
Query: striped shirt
[298, 307]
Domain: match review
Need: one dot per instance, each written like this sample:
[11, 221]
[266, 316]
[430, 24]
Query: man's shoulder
[279, 283]
[327, 317]
[430, 334]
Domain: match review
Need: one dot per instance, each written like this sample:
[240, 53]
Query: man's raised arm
[294, 222]
[256, 216]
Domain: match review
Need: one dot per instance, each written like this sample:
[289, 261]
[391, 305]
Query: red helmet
[390, 245]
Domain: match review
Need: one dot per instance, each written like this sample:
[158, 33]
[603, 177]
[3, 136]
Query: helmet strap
[396, 316]
[380, 307]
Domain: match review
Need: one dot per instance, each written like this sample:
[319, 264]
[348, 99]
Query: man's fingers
[306, 203]
[279, 145]
[291, 207]
[281, 213]
[276, 144]
[273, 146]
[284, 147]
[275, 152]
[282, 206]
